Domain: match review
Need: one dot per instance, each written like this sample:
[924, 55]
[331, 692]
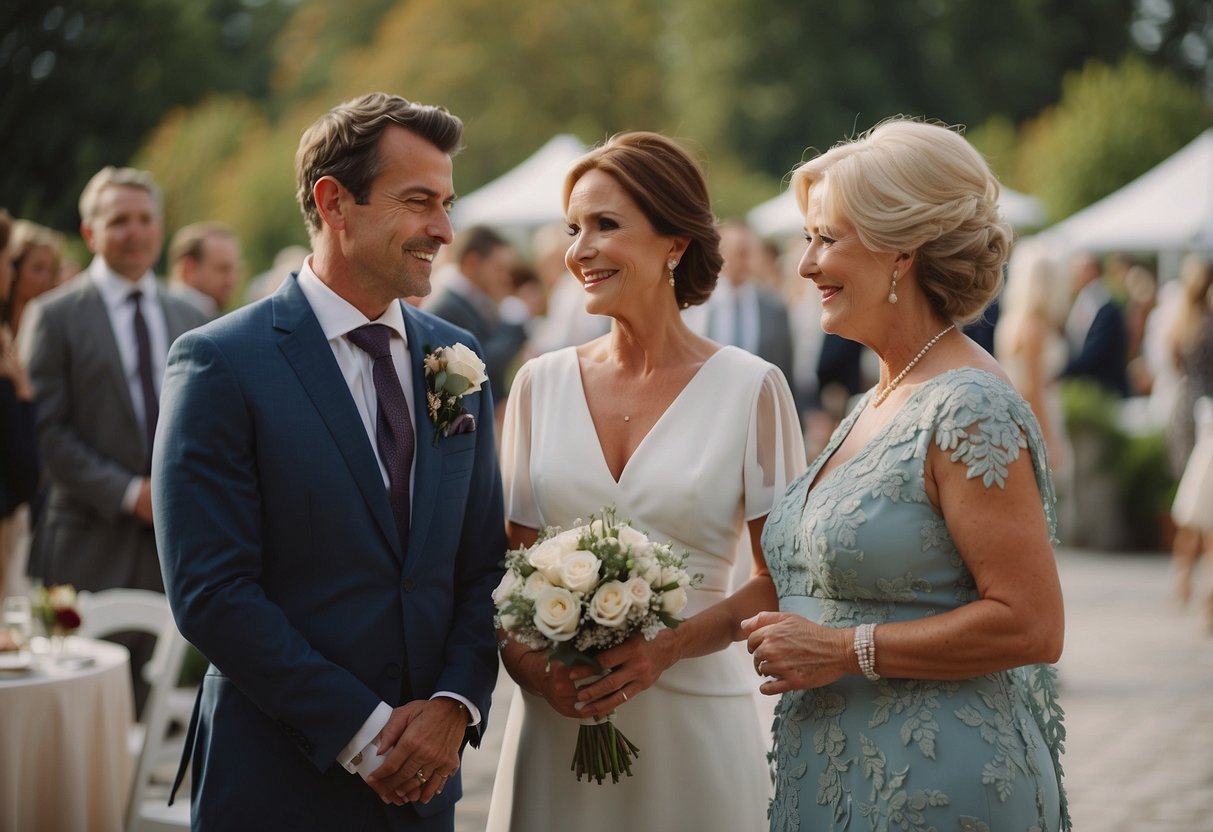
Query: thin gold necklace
[884, 394]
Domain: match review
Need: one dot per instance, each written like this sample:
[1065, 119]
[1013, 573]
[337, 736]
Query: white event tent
[527, 196]
[779, 216]
[1168, 209]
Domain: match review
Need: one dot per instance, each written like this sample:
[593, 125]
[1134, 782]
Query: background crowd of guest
[82, 349]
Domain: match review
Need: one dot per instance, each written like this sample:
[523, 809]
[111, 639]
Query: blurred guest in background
[288, 260]
[1029, 344]
[35, 254]
[95, 349]
[742, 310]
[478, 296]
[1141, 298]
[18, 455]
[204, 266]
[1190, 342]
[1095, 331]
[565, 323]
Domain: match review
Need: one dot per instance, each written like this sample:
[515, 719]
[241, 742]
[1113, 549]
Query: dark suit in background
[1095, 332]
[501, 341]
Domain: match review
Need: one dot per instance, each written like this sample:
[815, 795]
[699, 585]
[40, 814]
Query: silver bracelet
[865, 650]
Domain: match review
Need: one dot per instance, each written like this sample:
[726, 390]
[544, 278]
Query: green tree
[766, 79]
[1111, 125]
[83, 81]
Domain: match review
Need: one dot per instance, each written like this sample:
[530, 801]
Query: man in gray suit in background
[740, 311]
[95, 349]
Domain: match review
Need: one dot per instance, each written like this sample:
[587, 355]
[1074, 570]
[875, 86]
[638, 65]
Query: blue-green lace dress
[865, 546]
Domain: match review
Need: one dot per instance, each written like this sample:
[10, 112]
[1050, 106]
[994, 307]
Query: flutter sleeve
[775, 454]
[520, 507]
[984, 425]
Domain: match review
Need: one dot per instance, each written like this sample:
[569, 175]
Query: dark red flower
[67, 618]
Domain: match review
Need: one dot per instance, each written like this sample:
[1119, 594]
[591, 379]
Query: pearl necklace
[884, 394]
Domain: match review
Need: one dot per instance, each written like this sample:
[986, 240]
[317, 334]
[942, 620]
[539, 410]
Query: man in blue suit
[330, 544]
[1095, 331]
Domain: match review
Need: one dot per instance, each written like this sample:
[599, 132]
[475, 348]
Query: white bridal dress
[720, 455]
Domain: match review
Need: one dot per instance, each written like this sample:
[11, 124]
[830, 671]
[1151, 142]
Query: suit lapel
[427, 458]
[306, 349]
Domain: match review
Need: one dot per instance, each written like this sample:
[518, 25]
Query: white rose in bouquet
[631, 537]
[647, 567]
[509, 581]
[549, 555]
[462, 360]
[674, 601]
[557, 612]
[579, 572]
[640, 592]
[673, 575]
[534, 586]
[610, 604]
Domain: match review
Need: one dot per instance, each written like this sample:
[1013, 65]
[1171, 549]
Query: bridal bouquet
[579, 591]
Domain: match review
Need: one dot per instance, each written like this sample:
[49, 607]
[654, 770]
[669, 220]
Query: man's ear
[86, 233]
[330, 196]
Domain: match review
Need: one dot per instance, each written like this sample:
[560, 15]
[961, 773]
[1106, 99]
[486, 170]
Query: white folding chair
[123, 610]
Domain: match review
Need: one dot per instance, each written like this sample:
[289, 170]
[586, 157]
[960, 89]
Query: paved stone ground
[1137, 686]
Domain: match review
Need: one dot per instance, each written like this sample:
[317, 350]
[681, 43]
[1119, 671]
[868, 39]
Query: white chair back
[122, 610]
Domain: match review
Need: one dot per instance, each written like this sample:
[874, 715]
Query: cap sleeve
[983, 424]
[775, 454]
[520, 506]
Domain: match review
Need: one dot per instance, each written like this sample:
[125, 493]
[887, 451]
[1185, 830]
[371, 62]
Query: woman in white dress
[690, 441]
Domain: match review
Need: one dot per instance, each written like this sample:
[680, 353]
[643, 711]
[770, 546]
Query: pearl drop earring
[671, 265]
[893, 288]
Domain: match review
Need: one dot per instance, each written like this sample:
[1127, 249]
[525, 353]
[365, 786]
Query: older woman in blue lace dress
[919, 602]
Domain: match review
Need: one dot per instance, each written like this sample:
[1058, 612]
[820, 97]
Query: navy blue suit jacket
[283, 566]
[1102, 357]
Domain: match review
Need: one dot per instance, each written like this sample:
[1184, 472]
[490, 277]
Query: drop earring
[893, 288]
[671, 265]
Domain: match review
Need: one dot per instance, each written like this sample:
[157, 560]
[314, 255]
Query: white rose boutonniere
[450, 374]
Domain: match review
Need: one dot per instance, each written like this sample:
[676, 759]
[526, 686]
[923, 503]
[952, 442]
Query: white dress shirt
[115, 293]
[733, 315]
[337, 318]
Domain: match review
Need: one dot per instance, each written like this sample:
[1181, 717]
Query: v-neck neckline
[853, 417]
[585, 408]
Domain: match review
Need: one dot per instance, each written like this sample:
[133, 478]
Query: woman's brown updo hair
[669, 187]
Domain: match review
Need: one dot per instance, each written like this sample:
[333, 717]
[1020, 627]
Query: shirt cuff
[131, 495]
[359, 756]
[473, 711]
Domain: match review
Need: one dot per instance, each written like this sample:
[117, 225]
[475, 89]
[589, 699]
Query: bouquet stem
[602, 749]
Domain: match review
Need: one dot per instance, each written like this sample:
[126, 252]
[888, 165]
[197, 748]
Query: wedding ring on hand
[624, 693]
[420, 777]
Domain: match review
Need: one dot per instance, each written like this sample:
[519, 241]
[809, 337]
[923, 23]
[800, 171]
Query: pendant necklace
[878, 400]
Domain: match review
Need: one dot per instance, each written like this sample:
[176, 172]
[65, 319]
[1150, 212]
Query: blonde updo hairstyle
[911, 186]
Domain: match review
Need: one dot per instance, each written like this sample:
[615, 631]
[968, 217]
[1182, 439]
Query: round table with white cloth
[64, 761]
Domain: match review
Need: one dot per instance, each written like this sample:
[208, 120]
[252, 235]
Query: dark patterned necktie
[143, 346]
[393, 427]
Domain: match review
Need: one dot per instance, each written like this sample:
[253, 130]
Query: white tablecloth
[64, 763]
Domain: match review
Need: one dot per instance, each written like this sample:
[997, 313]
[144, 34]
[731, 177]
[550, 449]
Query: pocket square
[463, 423]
